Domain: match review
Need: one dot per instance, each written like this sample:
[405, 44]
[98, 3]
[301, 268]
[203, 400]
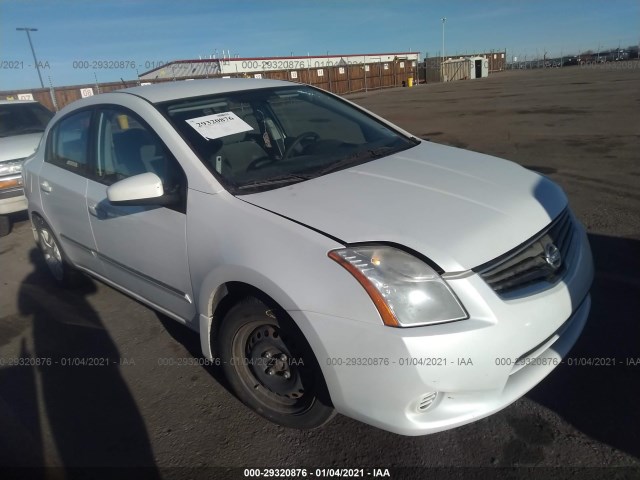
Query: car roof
[166, 91]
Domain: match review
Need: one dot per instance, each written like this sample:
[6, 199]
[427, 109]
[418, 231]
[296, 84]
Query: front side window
[126, 146]
[261, 139]
[69, 139]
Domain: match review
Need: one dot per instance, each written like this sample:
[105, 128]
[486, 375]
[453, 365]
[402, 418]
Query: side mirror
[142, 189]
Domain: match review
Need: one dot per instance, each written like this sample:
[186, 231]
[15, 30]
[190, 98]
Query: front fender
[230, 240]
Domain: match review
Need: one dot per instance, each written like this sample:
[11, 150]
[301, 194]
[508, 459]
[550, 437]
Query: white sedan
[329, 260]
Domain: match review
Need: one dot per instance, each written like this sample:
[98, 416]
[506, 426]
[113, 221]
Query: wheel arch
[39, 216]
[35, 216]
[226, 294]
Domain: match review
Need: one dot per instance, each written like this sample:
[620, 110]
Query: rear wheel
[271, 367]
[57, 264]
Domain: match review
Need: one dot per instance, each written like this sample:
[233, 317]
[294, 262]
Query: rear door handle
[45, 187]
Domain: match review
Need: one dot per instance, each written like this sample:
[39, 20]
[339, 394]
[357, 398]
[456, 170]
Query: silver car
[21, 126]
[329, 260]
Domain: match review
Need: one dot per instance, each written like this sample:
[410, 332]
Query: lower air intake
[426, 401]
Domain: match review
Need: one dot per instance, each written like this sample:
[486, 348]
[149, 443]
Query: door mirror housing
[143, 189]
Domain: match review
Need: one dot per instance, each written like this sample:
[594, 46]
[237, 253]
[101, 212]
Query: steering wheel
[258, 163]
[298, 140]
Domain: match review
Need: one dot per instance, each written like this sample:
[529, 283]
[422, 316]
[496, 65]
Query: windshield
[23, 118]
[256, 140]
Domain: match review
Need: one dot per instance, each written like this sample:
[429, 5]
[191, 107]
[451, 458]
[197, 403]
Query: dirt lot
[579, 126]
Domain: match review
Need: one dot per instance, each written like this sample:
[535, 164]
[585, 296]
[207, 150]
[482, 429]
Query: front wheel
[5, 225]
[271, 367]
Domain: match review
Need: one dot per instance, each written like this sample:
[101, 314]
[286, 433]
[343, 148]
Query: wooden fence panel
[341, 79]
[356, 78]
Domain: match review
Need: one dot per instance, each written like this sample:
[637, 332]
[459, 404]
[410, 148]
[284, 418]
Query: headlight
[13, 167]
[405, 290]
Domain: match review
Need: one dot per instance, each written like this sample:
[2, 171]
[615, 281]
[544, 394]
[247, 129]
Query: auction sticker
[219, 125]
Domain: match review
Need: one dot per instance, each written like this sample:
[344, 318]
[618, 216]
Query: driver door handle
[45, 187]
[94, 210]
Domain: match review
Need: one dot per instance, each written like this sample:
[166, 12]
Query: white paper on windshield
[219, 125]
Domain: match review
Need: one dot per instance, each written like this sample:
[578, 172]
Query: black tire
[57, 263]
[5, 225]
[270, 366]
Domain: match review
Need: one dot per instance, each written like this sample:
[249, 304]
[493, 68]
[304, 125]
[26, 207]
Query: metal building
[455, 69]
[234, 66]
[479, 67]
[464, 68]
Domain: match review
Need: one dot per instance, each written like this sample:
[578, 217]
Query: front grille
[543, 259]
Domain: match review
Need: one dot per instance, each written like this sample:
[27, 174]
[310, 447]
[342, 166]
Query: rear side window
[69, 141]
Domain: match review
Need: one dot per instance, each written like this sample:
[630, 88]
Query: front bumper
[12, 200]
[461, 371]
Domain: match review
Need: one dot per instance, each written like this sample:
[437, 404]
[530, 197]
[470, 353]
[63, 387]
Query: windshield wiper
[288, 178]
[357, 157]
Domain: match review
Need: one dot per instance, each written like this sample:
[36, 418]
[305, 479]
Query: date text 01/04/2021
[402, 361]
[317, 472]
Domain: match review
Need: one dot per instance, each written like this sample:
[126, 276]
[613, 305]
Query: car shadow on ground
[76, 388]
[597, 388]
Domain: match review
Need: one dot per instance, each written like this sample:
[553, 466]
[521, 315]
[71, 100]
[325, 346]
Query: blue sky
[145, 31]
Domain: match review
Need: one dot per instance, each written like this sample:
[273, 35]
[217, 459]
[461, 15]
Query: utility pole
[443, 22]
[28, 29]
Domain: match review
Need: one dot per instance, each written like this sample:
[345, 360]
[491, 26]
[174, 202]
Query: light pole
[27, 29]
[443, 21]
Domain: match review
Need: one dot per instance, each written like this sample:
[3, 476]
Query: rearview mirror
[143, 189]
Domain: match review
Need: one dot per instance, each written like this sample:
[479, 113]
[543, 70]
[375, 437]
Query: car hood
[458, 208]
[18, 146]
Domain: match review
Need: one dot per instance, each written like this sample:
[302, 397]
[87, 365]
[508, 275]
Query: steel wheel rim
[282, 390]
[52, 255]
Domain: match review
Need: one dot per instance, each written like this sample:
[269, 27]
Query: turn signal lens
[10, 183]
